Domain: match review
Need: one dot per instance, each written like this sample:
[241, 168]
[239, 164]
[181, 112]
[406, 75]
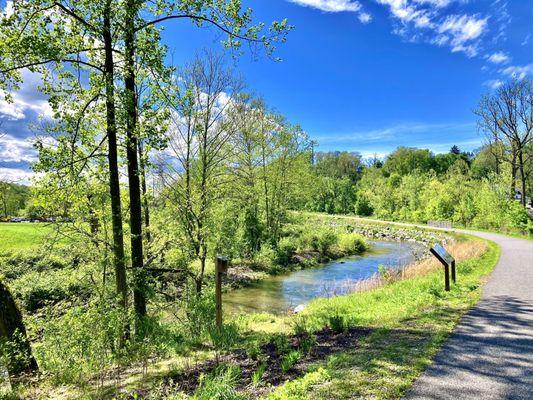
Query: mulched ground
[327, 342]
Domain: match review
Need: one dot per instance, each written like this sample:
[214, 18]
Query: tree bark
[144, 194]
[523, 177]
[13, 330]
[114, 182]
[137, 259]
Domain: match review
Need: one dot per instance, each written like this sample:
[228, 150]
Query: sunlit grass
[411, 319]
[22, 236]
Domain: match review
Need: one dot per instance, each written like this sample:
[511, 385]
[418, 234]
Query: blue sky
[366, 75]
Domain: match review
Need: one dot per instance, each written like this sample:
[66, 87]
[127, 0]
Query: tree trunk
[144, 194]
[12, 329]
[513, 176]
[114, 182]
[137, 259]
[523, 177]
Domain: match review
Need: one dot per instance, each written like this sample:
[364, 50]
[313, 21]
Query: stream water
[281, 293]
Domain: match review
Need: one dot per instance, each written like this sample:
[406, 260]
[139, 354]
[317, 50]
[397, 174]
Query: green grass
[410, 321]
[22, 236]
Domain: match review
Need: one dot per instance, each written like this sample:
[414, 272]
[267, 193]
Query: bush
[363, 207]
[36, 290]
[352, 243]
[289, 360]
[199, 311]
[286, 248]
[220, 385]
[338, 323]
[318, 239]
[81, 342]
[13, 266]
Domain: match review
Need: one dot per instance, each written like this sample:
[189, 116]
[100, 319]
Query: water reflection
[281, 293]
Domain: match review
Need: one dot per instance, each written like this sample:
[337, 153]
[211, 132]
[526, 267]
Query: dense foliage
[13, 199]
[416, 185]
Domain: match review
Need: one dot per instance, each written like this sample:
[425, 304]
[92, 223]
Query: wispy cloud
[498, 58]
[493, 83]
[27, 99]
[438, 22]
[336, 6]
[16, 150]
[461, 32]
[383, 140]
[518, 71]
[16, 175]
[331, 5]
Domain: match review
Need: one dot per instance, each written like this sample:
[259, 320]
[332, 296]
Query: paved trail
[489, 356]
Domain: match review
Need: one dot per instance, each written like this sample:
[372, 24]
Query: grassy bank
[409, 321]
[370, 344]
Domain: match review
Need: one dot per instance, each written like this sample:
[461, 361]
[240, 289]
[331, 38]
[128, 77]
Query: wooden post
[453, 271]
[221, 267]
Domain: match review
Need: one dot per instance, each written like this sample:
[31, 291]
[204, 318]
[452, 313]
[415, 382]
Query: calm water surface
[281, 293]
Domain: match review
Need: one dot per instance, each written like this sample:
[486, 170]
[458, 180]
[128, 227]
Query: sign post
[448, 261]
[221, 267]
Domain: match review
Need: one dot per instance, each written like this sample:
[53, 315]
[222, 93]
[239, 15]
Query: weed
[289, 360]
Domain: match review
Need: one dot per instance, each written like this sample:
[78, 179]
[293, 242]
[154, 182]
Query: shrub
[36, 290]
[198, 310]
[338, 323]
[289, 360]
[81, 342]
[257, 376]
[285, 250]
[13, 266]
[318, 239]
[352, 243]
[220, 385]
[363, 206]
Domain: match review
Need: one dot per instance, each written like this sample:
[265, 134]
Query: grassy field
[22, 236]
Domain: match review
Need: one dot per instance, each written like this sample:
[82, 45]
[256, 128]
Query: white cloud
[335, 6]
[436, 3]
[28, 98]
[331, 5]
[16, 175]
[498, 58]
[16, 150]
[365, 18]
[462, 31]
[493, 83]
[526, 40]
[518, 71]
[8, 10]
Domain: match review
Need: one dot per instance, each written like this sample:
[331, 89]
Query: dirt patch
[325, 343]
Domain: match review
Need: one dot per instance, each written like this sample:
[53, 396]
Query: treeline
[488, 189]
[13, 199]
[416, 185]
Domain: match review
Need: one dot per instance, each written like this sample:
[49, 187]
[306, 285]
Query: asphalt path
[490, 353]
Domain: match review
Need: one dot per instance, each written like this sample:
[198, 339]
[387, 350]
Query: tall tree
[506, 117]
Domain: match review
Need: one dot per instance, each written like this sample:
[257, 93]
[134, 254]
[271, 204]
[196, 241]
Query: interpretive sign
[447, 260]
